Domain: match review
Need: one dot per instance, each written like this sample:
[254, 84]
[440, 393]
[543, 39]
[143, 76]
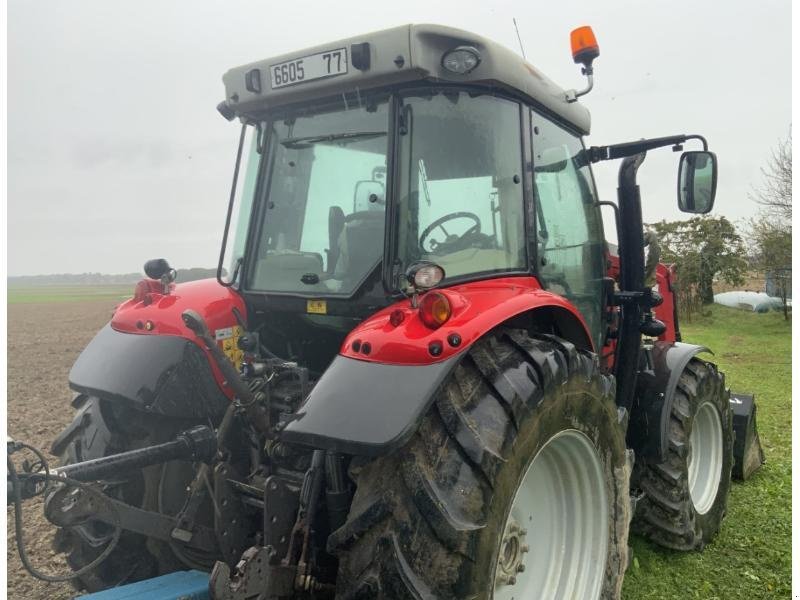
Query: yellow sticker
[317, 307]
[228, 339]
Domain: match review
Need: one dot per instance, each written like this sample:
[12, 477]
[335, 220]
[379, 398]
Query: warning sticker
[317, 307]
[228, 339]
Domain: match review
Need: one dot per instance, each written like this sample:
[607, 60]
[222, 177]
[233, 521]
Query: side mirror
[697, 182]
[369, 195]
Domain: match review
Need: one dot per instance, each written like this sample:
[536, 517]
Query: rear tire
[98, 431]
[685, 497]
[431, 520]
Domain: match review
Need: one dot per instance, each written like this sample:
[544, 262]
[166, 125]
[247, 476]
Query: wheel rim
[555, 539]
[705, 459]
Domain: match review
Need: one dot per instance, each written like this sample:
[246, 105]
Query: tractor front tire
[515, 485]
[686, 496]
[97, 431]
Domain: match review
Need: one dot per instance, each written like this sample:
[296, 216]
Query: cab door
[570, 243]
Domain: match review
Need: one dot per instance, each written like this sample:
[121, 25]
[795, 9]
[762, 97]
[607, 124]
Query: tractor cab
[412, 146]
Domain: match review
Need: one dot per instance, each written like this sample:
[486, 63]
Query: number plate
[309, 68]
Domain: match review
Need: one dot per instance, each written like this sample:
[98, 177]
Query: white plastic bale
[754, 301]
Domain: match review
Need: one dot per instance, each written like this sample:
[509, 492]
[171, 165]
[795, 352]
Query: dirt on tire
[44, 339]
[426, 519]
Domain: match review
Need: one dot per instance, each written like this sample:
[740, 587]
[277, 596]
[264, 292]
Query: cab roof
[393, 56]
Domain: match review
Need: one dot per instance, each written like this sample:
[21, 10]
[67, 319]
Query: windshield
[321, 223]
[461, 199]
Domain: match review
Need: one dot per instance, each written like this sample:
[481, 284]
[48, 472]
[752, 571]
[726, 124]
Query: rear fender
[371, 402]
[656, 385]
[166, 375]
[147, 358]
[367, 408]
[476, 308]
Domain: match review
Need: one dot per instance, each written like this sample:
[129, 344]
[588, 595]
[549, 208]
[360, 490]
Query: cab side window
[570, 241]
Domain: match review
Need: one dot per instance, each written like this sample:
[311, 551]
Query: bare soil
[44, 339]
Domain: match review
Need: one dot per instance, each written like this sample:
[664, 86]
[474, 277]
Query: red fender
[477, 307]
[152, 313]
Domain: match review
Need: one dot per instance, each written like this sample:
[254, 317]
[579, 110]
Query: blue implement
[181, 585]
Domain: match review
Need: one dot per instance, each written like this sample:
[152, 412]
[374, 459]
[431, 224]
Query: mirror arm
[624, 150]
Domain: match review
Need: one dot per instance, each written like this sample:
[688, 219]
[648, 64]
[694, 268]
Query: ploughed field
[750, 559]
[44, 339]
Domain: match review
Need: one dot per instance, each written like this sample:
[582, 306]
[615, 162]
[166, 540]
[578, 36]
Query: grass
[751, 557]
[64, 293]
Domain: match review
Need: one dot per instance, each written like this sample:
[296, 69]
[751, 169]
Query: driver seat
[336, 221]
[360, 244]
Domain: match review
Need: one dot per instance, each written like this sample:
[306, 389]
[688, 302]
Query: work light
[424, 275]
[461, 60]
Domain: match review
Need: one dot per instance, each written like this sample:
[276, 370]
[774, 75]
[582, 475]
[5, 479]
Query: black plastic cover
[162, 374]
[366, 408]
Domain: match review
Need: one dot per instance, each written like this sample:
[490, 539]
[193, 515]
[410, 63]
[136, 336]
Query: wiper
[424, 176]
[308, 141]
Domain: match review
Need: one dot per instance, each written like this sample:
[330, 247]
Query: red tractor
[426, 376]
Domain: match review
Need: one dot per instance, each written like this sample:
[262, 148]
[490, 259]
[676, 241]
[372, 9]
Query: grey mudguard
[163, 374]
[366, 408]
[656, 386]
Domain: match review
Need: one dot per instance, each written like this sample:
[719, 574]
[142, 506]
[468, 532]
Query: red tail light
[144, 288]
[397, 317]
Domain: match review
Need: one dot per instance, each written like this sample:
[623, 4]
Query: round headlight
[461, 60]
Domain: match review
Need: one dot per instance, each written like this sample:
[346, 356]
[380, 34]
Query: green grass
[751, 557]
[64, 293]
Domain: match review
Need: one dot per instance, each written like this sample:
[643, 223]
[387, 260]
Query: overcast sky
[116, 153]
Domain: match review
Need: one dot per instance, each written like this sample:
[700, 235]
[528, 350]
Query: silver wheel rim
[555, 539]
[705, 458]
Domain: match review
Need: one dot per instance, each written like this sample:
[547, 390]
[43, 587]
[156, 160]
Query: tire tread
[666, 514]
[500, 381]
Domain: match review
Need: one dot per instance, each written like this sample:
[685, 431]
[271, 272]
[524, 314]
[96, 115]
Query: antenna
[519, 38]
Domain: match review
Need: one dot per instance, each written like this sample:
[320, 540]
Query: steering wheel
[449, 239]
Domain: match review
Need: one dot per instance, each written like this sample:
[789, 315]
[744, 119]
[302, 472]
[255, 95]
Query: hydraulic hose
[197, 443]
[48, 478]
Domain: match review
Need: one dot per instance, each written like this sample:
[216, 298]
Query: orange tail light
[434, 309]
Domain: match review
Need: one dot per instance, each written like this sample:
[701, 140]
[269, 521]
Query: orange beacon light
[584, 46]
